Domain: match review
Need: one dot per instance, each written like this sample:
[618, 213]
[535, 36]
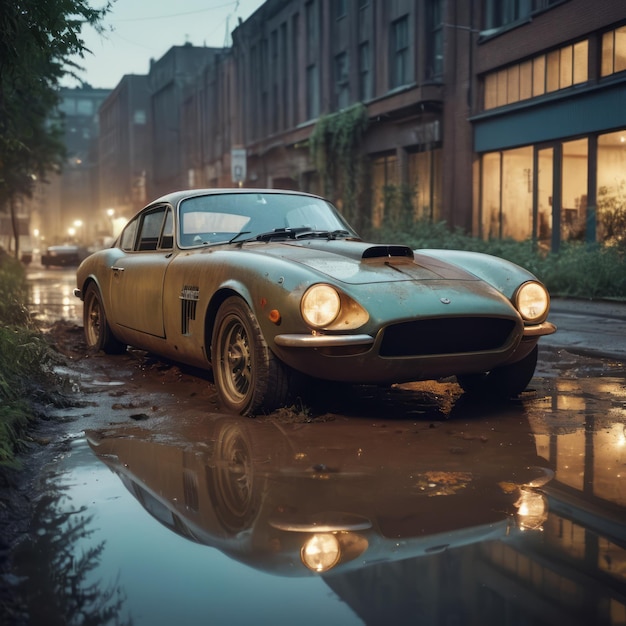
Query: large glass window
[611, 193]
[491, 200]
[614, 51]
[545, 190]
[545, 73]
[385, 179]
[520, 202]
[517, 198]
[574, 190]
[424, 171]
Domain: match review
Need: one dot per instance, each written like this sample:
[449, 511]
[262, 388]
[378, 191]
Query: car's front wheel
[98, 334]
[507, 381]
[248, 376]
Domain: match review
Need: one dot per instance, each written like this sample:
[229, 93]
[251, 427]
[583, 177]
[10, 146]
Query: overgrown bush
[579, 270]
[26, 362]
[13, 292]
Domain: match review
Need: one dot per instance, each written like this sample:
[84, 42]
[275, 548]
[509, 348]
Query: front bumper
[334, 341]
[427, 355]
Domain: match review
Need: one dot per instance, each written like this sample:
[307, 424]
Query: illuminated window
[424, 173]
[539, 76]
[614, 51]
[507, 194]
[385, 177]
[611, 193]
[574, 190]
[545, 73]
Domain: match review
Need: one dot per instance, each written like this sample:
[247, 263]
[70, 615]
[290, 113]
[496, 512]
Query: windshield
[218, 218]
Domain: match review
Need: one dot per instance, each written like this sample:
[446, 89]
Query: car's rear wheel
[98, 334]
[248, 376]
[507, 381]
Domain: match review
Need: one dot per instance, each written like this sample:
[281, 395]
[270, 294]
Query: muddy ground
[95, 388]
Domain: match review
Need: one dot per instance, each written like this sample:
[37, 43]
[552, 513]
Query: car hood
[356, 262]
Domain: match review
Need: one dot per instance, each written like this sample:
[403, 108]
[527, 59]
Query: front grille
[452, 335]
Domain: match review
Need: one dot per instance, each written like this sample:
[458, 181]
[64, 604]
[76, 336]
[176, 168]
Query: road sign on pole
[238, 162]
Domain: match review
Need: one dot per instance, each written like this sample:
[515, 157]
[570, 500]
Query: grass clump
[578, 270]
[27, 378]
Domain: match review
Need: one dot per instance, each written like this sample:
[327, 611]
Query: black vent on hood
[384, 252]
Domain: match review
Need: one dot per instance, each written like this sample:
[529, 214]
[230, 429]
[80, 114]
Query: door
[137, 279]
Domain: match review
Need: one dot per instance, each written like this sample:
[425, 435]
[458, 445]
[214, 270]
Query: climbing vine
[335, 147]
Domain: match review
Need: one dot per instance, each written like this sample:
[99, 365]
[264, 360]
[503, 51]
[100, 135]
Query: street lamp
[78, 225]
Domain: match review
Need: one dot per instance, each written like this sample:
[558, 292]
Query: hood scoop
[387, 253]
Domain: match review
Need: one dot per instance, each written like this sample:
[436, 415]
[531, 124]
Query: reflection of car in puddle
[288, 500]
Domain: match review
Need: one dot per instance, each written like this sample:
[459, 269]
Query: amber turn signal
[274, 316]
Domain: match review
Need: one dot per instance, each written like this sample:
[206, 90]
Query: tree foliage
[39, 42]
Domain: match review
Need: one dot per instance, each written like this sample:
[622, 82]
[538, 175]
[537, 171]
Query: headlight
[320, 305]
[532, 301]
[321, 552]
[532, 510]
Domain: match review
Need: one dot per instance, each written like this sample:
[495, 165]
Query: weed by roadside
[27, 379]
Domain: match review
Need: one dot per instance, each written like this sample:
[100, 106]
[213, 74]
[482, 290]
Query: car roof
[176, 196]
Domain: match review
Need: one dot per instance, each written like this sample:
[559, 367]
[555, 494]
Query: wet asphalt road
[594, 328]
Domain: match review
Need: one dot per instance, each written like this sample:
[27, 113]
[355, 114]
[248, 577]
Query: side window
[151, 226]
[167, 236]
[127, 241]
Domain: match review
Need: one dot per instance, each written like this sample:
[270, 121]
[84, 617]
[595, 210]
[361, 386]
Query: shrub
[26, 362]
[13, 292]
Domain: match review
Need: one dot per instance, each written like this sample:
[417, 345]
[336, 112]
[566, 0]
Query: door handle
[117, 269]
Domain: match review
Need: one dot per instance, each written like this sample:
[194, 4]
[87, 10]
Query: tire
[507, 381]
[98, 334]
[231, 480]
[248, 377]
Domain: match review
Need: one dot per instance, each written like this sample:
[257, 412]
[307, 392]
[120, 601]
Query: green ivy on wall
[335, 147]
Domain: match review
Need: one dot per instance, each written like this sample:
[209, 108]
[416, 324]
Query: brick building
[506, 118]
[549, 121]
[124, 152]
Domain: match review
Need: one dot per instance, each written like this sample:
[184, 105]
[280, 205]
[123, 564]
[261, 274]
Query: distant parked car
[261, 284]
[64, 255]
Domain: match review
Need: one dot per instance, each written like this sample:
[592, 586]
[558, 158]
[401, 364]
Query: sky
[137, 31]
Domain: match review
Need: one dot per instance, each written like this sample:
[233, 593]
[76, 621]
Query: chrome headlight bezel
[532, 301]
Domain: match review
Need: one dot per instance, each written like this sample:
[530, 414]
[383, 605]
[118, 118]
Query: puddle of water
[201, 518]
[149, 574]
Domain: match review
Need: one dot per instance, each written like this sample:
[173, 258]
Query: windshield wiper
[281, 233]
[323, 234]
[300, 232]
[239, 234]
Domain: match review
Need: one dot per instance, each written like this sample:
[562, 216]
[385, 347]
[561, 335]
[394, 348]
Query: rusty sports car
[266, 287]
